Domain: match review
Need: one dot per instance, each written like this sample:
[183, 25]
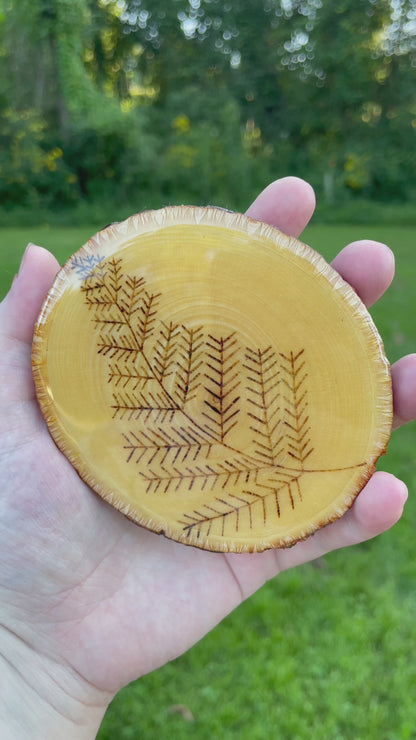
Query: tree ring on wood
[213, 379]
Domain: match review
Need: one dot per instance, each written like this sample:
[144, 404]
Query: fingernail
[405, 492]
[24, 257]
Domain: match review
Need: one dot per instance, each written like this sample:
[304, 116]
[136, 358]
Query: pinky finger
[377, 508]
[403, 375]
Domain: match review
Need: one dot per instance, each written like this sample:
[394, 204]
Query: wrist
[40, 698]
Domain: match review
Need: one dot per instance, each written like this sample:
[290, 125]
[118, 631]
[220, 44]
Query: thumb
[21, 306]
[18, 313]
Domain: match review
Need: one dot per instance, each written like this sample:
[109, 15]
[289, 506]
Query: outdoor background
[111, 107]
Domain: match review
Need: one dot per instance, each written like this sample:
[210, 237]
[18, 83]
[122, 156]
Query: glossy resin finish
[213, 379]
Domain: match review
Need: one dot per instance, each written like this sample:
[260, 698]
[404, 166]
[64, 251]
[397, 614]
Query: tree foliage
[204, 99]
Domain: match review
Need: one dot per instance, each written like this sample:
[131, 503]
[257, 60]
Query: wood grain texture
[213, 379]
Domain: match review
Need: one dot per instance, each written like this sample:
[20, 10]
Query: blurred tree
[349, 105]
[338, 77]
[162, 96]
[93, 123]
[308, 75]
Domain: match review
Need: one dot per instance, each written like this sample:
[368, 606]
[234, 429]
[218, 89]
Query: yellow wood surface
[212, 378]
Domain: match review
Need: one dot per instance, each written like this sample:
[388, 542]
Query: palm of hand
[83, 581]
[85, 585]
[88, 582]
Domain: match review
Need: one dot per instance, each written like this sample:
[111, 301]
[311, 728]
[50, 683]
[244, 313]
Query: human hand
[88, 600]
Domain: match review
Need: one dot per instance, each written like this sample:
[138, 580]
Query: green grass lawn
[326, 651]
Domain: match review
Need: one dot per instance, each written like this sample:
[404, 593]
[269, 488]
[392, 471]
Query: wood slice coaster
[213, 379]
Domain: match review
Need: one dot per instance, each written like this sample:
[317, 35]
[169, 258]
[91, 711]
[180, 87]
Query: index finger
[287, 203]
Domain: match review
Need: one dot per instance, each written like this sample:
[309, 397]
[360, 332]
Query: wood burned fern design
[221, 385]
[179, 393]
[263, 376]
[296, 406]
[189, 364]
